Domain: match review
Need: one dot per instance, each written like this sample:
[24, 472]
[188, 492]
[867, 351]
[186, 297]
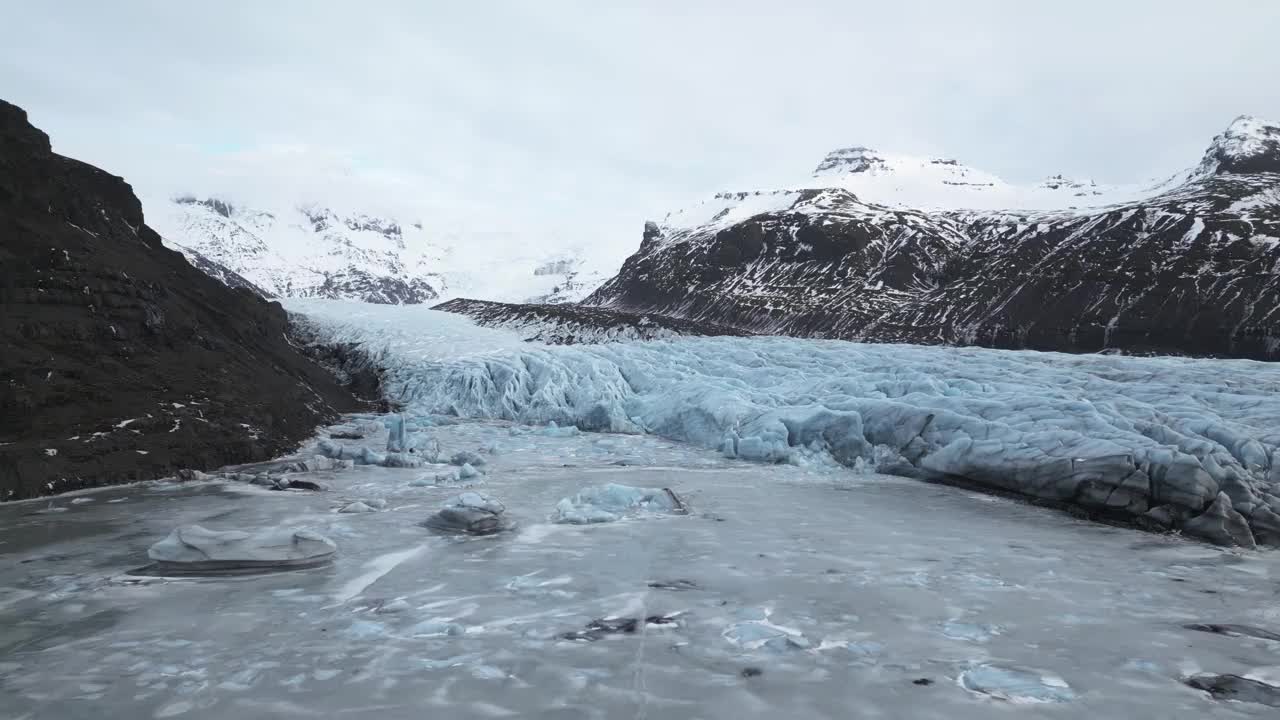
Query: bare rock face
[193, 549]
[120, 360]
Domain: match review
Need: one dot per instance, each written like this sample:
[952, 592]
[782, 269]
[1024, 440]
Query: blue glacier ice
[396, 438]
[1152, 438]
[611, 502]
[1016, 685]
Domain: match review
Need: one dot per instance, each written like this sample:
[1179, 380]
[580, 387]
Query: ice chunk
[346, 455]
[396, 441]
[356, 455]
[320, 462]
[402, 460]
[1015, 685]
[357, 507]
[554, 430]
[425, 447]
[761, 634]
[466, 457]
[467, 472]
[193, 549]
[471, 513]
[330, 449]
[611, 502]
[368, 456]
[479, 502]
[356, 431]
[451, 478]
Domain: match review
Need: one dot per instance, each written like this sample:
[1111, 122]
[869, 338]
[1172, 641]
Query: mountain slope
[312, 250]
[887, 249]
[121, 361]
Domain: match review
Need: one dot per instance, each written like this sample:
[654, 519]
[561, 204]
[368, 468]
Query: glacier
[1158, 441]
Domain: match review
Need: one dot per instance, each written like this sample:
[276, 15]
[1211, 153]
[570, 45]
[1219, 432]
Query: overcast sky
[575, 120]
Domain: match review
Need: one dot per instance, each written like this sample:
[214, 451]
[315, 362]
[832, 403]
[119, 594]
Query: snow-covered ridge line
[1173, 443]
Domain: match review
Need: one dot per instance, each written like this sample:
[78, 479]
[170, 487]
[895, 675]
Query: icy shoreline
[1167, 442]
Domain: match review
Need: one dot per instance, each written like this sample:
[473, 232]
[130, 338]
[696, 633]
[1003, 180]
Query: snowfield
[1163, 439]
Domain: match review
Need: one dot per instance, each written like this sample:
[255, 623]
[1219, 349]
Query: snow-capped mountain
[315, 250]
[889, 248]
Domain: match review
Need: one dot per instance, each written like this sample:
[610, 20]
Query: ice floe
[611, 502]
[193, 549]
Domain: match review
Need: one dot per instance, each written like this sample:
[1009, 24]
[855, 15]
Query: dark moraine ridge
[120, 360]
[568, 324]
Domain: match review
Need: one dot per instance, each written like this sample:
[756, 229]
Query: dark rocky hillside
[1193, 268]
[119, 360]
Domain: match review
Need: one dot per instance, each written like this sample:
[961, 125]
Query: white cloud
[575, 121]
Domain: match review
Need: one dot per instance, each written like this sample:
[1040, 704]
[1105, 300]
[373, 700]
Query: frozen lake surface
[787, 591]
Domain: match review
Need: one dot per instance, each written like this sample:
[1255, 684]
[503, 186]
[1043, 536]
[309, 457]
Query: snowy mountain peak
[849, 160]
[1248, 145]
[217, 205]
[864, 160]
